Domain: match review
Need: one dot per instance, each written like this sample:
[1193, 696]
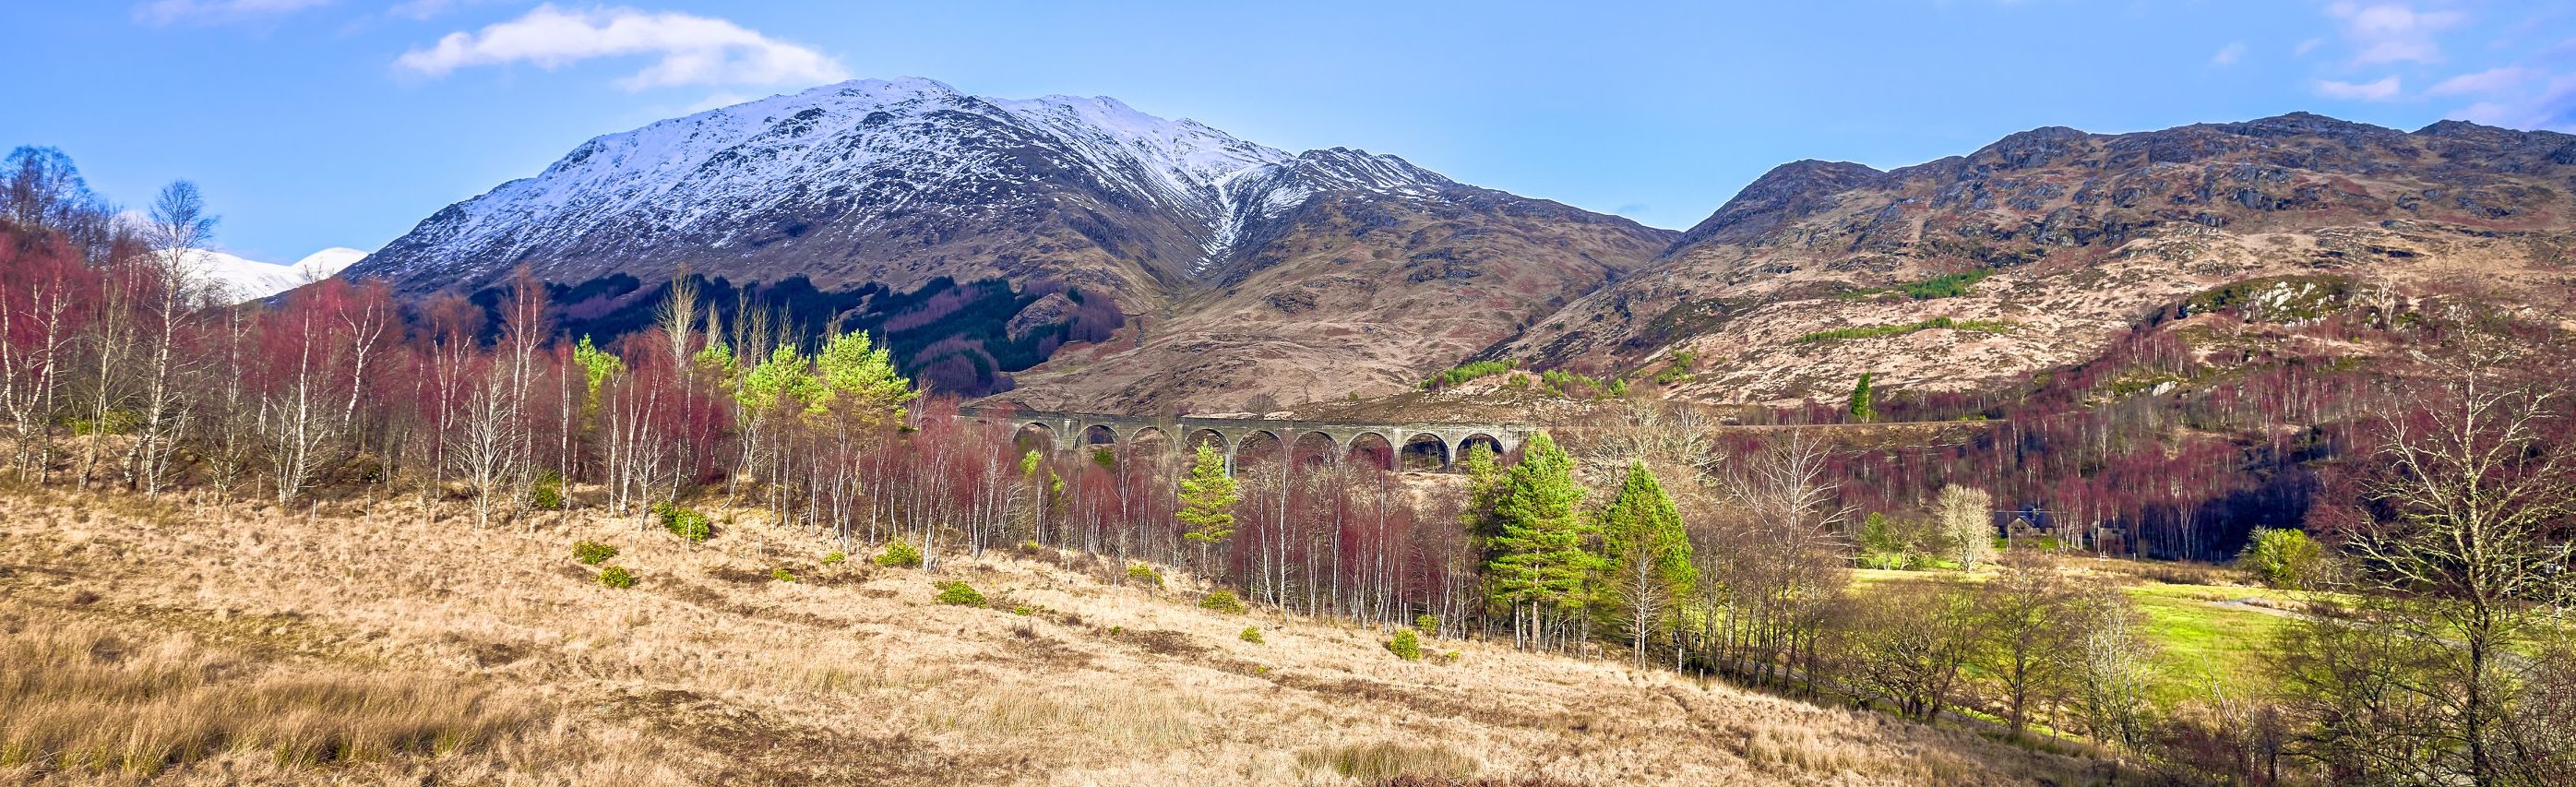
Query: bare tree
[179, 228]
[1967, 524]
[1784, 557]
[1908, 644]
[2473, 551]
[2029, 610]
[2113, 668]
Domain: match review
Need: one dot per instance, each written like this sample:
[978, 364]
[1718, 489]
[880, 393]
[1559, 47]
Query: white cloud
[2309, 45]
[2551, 106]
[2227, 55]
[2384, 89]
[692, 50]
[163, 12]
[2393, 32]
[2489, 81]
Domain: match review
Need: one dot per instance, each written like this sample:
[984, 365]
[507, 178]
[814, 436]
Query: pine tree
[1484, 488]
[861, 377]
[1861, 409]
[1539, 564]
[1646, 557]
[1207, 501]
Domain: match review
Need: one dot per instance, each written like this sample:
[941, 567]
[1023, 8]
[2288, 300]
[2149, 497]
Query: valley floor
[369, 643]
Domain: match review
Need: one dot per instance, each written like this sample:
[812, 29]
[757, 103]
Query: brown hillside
[446, 654]
[2080, 235]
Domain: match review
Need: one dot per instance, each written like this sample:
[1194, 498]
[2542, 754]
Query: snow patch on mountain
[908, 144]
[238, 280]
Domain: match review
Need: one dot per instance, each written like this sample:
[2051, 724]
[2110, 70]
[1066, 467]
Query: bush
[1252, 634]
[1024, 609]
[1145, 574]
[899, 555]
[1405, 646]
[592, 553]
[2283, 558]
[688, 524]
[959, 594]
[834, 558]
[1222, 600]
[617, 577]
[1427, 624]
[1900, 329]
[548, 496]
[1468, 371]
[782, 575]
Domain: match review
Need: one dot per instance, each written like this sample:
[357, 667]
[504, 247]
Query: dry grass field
[369, 643]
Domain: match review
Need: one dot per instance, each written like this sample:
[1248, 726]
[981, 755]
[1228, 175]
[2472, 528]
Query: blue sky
[314, 123]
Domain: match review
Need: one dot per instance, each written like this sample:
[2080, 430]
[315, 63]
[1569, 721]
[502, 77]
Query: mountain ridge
[875, 193]
[2074, 235]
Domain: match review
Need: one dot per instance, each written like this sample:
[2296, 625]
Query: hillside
[995, 234]
[447, 654]
[1971, 271]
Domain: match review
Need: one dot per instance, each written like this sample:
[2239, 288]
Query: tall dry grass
[393, 642]
[75, 698]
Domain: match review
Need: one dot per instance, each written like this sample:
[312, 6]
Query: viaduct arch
[1396, 446]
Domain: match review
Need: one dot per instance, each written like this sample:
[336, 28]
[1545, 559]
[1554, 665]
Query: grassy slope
[2201, 631]
[709, 671]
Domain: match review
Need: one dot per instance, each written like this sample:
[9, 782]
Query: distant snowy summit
[240, 280]
[885, 171]
[982, 237]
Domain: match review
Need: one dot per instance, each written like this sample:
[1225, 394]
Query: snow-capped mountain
[980, 235]
[241, 280]
[874, 168]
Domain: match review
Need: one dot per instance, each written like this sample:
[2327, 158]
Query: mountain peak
[1786, 193]
[869, 155]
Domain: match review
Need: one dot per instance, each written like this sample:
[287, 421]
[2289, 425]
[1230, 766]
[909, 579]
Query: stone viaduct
[1406, 446]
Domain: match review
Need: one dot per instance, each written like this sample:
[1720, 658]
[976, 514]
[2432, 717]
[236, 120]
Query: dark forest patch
[952, 337]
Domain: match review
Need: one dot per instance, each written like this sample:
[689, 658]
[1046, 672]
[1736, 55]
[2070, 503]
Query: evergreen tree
[1207, 501]
[857, 375]
[1646, 557]
[597, 366]
[1861, 409]
[1539, 565]
[1484, 488]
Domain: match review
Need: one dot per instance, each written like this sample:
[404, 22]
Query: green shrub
[959, 594]
[1252, 634]
[1900, 329]
[834, 558]
[1023, 609]
[1405, 646]
[1468, 371]
[1144, 573]
[782, 575]
[1947, 285]
[548, 496]
[116, 422]
[686, 523]
[592, 553]
[1222, 600]
[1427, 624]
[2283, 558]
[899, 555]
[617, 577]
